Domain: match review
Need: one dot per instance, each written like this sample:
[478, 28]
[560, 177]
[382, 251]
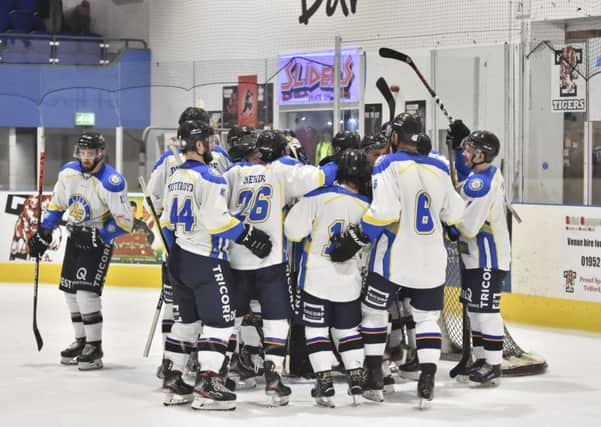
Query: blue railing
[62, 49]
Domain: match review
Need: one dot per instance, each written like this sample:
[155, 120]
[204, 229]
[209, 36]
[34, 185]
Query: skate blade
[495, 382]
[424, 403]
[374, 395]
[172, 399]
[85, 366]
[276, 400]
[204, 404]
[463, 379]
[69, 361]
[325, 402]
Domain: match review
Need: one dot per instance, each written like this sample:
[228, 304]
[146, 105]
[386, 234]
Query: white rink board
[556, 252]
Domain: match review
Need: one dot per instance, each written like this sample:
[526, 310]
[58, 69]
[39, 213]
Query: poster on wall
[141, 246]
[568, 86]
[418, 109]
[19, 216]
[373, 119]
[308, 78]
[230, 106]
[247, 101]
[581, 255]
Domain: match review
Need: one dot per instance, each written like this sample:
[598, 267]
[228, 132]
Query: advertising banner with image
[581, 254]
[568, 86]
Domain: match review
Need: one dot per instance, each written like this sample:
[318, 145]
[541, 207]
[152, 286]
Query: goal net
[516, 361]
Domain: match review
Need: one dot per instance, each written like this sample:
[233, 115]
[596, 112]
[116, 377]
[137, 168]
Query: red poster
[247, 101]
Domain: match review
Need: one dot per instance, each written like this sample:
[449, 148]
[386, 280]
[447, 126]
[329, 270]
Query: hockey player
[330, 292]
[257, 195]
[94, 195]
[484, 235]
[412, 194]
[342, 141]
[195, 216]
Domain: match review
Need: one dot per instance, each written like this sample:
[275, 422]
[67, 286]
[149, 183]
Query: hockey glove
[85, 238]
[457, 131]
[39, 242]
[452, 232]
[347, 245]
[257, 241]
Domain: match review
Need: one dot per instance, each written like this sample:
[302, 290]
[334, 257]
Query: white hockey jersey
[483, 227]
[93, 200]
[257, 196]
[221, 160]
[195, 209]
[161, 171]
[319, 215]
[412, 194]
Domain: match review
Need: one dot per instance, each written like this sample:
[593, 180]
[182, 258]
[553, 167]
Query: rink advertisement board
[568, 86]
[18, 215]
[580, 257]
[556, 252]
[308, 78]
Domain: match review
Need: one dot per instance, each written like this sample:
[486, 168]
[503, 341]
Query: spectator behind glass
[79, 19]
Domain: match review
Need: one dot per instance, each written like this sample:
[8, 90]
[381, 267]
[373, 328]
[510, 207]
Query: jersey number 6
[423, 218]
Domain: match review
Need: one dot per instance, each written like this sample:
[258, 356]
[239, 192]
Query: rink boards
[555, 277]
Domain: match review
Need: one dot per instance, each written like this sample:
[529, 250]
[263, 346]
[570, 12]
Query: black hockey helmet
[241, 134]
[485, 142]
[193, 130]
[371, 142]
[406, 126]
[241, 151]
[424, 143]
[353, 166]
[91, 139]
[271, 145]
[345, 139]
[194, 113]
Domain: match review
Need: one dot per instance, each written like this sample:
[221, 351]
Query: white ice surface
[35, 390]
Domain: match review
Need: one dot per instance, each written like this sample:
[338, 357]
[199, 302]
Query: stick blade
[38, 338]
[384, 89]
[386, 52]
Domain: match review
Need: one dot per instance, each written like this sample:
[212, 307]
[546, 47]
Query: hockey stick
[393, 54]
[387, 94]
[386, 52]
[36, 271]
[157, 312]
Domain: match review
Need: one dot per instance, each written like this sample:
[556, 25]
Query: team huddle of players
[329, 249]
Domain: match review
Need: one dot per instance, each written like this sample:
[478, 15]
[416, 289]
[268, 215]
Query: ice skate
[374, 381]
[90, 357]
[177, 392]
[487, 376]
[243, 372]
[211, 395]
[463, 376]
[278, 391]
[323, 392]
[410, 369]
[69, 355]
[425, 384]
[355, 380]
